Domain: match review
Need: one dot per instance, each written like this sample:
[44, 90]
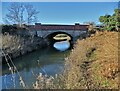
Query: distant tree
[19, 13]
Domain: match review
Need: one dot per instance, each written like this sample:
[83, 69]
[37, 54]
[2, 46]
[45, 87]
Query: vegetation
[93, 63]
[19, 13]
[8, 29]
[111, 22]
[49, 82]
[11, 43]
[11, 29]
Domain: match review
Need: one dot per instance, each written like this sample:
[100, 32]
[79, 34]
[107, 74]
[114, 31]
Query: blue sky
[69, 12]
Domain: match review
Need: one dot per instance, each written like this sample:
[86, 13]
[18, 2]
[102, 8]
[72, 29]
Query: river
[46, 61]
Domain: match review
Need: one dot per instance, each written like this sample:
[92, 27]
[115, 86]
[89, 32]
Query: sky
[68, 12]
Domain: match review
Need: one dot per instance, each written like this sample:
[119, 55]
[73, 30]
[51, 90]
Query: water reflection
[62, 45]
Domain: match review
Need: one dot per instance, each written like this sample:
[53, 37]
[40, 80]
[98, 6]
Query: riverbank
[16, 46]
[93, 63]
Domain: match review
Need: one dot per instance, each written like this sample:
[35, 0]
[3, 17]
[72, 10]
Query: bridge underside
[51, 40]
[50, 36]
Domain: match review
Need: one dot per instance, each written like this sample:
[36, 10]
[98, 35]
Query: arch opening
[51, 38]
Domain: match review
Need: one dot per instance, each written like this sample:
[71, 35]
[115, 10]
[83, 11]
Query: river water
[46, 61]
[62, 45]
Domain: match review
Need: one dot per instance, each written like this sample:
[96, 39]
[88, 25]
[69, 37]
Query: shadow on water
[47, 61]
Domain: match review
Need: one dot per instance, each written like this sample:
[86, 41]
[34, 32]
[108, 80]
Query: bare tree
[15, 13]
[31, 14]
[19, 13]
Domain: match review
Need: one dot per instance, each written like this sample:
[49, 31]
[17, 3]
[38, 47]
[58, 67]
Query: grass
[11, 42]
[49, 82]
[94, 69]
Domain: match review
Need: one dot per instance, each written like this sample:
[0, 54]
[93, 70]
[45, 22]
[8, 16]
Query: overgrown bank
[93, 63]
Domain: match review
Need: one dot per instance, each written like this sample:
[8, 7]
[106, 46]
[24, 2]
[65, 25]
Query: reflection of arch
[51, 35]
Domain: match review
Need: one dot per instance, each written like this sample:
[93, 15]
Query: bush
[9, 29]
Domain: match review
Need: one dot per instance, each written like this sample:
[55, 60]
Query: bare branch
[19, 13]
[31, 13]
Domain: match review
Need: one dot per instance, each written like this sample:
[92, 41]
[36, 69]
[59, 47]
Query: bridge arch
[53, 34]
[51, 41]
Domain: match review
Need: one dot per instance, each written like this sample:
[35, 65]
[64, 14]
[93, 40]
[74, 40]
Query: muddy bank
[16, 46]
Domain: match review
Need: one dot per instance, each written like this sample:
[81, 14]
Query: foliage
[111, 22]
[12, 29]
[8, 29]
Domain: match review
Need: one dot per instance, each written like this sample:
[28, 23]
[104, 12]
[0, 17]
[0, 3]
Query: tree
[19, 13]
[31, 13]
[116, 19]
[111, 22]
[15, 14]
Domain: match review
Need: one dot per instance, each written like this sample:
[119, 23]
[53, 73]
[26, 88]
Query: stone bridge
[44, 30]
[71, 33]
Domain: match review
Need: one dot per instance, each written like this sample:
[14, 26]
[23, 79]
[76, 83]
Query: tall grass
[93, 64]
[12, 42]
[13, 69]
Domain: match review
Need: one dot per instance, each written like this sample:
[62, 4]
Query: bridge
[45, 30]
[50, 30]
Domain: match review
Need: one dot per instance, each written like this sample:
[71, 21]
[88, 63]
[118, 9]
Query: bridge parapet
[46, 27]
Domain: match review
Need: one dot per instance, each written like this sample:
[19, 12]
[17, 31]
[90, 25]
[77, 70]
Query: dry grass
[87, 68]
[11, 43]
[49, 82]
[16, 43]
